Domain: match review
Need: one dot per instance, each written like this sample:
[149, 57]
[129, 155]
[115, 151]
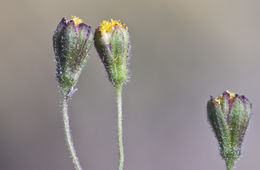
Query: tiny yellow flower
[106, 26]
[76, 20]
[112, 44]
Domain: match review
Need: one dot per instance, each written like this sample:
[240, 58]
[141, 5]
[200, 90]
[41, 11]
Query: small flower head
[71, 43]
[76, 20]
[229, 116]
[112, 44]
[107, 27]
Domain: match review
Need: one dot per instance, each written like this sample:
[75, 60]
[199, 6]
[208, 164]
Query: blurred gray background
[183, 51]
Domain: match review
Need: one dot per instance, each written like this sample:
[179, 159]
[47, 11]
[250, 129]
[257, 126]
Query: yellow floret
[76, 20]
[219, 99]
[107, 26]
[232, 96]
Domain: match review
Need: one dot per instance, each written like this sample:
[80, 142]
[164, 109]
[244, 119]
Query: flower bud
[71, 43]
[229, 116]
[112, 44]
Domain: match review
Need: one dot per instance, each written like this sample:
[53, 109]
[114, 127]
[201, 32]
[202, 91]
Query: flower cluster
[72, 41]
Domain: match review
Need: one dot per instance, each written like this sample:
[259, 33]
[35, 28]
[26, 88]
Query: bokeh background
[183, 51]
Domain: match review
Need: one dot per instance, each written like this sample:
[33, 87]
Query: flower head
[71, 43]
[76, 20]
[112, 44]
[229, 116]
[107, 27]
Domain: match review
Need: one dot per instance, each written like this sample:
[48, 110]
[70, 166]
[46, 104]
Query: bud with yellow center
[112, 44]
[229, 116]
[71, 43]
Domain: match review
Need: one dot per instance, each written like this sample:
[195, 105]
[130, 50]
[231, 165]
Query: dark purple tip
[71, 22]
[61, 25]
[84, 26]
[226, 95]
[63, 20]
[243, 99]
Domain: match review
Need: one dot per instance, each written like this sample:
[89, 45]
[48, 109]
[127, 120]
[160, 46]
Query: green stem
[68, 134]
[120, 127]
[229, 164]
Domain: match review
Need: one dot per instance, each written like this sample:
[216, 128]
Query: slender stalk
[68, 135]
[229, 164]
[119, 126]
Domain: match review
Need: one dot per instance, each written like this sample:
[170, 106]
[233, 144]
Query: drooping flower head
[71, 43]
[112, 44]
[229, 116]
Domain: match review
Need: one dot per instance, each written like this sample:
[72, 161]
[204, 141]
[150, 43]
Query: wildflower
[71, 43]
[229, 116]
[112, 44]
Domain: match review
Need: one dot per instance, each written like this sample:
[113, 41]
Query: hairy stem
[229, 164]
[120, 127]
[68, 134]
